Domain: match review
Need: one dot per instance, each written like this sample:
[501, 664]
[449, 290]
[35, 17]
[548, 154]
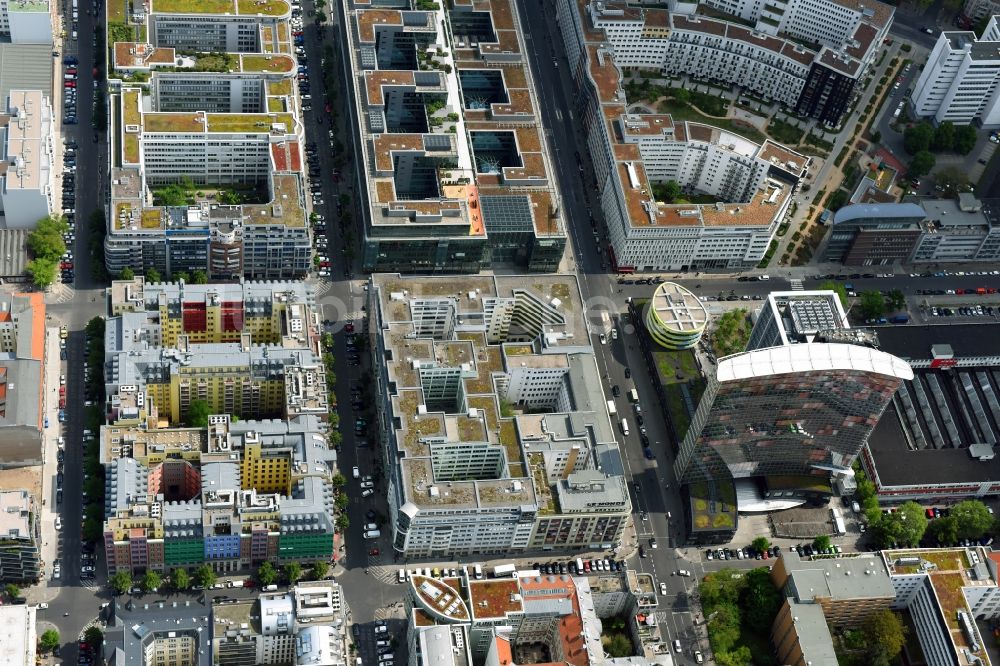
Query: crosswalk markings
[797, 284]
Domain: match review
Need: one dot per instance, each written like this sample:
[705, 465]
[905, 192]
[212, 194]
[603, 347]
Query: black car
[615, 391]
[628, 373]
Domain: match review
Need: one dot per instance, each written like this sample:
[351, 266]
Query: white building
[27, 186]
[961, 81]
[455, 354]
[816, 80]
[26, 21]
[18, 635]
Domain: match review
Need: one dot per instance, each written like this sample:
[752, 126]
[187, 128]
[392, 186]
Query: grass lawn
[265, 7]
[684, 112]
[131, 144]
[676, 368]
[116, 11]
[261, 63]
[193, 6]
[785, 133]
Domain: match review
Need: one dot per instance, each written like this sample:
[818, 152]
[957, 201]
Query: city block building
[807, 55]
[212, 102]
[492, 420]
[752, 184]
[22, 381]
[20, 537]
[305, 626]
[959, 82]
[250, 349]
[27, 185]
[461, 621]
[785, 417]
[455, 174]
[26, 21]
[147, 633]
[232, 495]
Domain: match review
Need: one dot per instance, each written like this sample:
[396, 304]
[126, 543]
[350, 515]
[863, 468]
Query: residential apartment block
[22, 382]
[20, 632]
[978, 9]
[783, 418]
[959, 81]
[20, 537]
[460, 621]
[219, 108]
[455, 175]
[945, 590]
[250, 349]
[26, 21]
[924, 231]
[493, 424]
[817, 80]
[232, 495]
[27, 185]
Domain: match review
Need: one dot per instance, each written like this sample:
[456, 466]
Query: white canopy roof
[810, 357]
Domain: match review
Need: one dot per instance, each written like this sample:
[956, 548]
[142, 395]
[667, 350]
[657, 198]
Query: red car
[62, 403]
[373, 552]
[349, 328]
[324, 264]
[71, 70]
[62, 389]
[71, 84]
[66, 265]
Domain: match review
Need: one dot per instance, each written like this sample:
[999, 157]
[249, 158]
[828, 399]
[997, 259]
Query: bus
[625, 427]
[611, 408]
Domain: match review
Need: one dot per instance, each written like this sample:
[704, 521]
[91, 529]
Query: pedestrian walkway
[796, 284]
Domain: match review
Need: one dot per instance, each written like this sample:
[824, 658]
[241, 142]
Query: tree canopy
[49, 640]
[47, 246]
[904, 527]
[921, 164]
[972, 519]
[821, 543]
[266, 575]
[918, 138]
[204, 576]
[761, 543]
[181, 579]
[885, 635]
[872, 304]
[120, 582]
[151, 581]
[198, 413]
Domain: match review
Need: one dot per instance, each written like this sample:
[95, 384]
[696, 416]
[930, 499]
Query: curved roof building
[675, 317]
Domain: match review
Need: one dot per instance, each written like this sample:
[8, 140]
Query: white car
[663, 589]
[42, 606]
[58, 523]
[367, 485]
[604, 339]
[367, 492]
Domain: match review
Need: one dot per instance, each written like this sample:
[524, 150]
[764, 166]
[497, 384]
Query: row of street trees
[46, 246]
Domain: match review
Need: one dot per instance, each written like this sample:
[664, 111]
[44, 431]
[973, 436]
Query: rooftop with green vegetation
[713, 506]
[174, 123]
[267, 63]
[131, 100]
[275, 8]
[249, 123]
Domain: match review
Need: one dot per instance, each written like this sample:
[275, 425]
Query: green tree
[11, 591]
[821, 543]
[965, 139]
[199, 277]
[918, 138]
[724, 627]
[921, 164]
[905, 526]
[45, 241]
[126, 274]
[266, 575]
[230, 197]
[49, 640]
[120, 582]
[151, 581]
[153, 275]
[618, 646]
[681, 95]
[341, 501]
[204, 576]
[739, 657]
[338, 480]
[181, 579]
[293, 570]
[42, 271]
[897, 301]
[181, 276]
[877, 136]
[941, 532]
[198, 413]
[760, 544]
[885, 634]
[759, 600]
[944, 137]
[972, 519]
[723, 586]
[343, 522]
[871, 305]
[319, 569]
[94, 637]
[667, 192]
[838, 287]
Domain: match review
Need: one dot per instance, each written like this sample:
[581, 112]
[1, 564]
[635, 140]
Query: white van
[478, 571]
[401, 576]
[372, 534]
[625, 427]
[370, 526]
[579, 565]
